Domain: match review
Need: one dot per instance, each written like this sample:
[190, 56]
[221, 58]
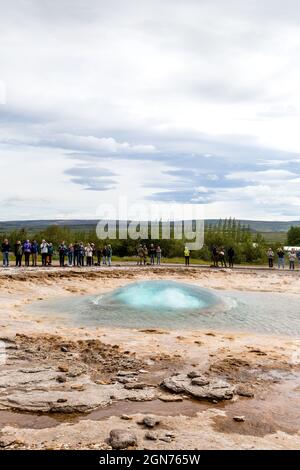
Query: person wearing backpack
[50, 254]
[18, 253]
[27, 252]
[222, 258]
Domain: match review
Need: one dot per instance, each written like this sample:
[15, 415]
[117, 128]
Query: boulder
[150, 421]
[151, 436]
[215, 389]
[122, 438]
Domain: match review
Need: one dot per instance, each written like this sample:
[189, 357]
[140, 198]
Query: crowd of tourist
[292, 256]
[219, 255]
[143, 252]
[77, 254]
[80, 254]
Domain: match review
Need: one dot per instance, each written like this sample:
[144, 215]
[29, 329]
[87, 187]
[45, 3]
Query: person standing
[76, 254]
[34, 252]
[280, 254]
[109, 254]
[215, 256]
[5, 248]
[140, 253]
[81, 254]
[44, 252]
[62, 250]
[99, 255]
[27, 252]
[292, 259]
[94, 252]
[50, 254]
[231, 254]
[145, 250]
[104, 255]
[270, 256]
[71, 255]
[89, 254]
[18, 253]
[152, 254]
[187, 256]
[158, 255]
[222, 257]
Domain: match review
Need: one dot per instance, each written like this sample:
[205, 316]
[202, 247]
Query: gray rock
[216, 389]
[194, 373]
[170, 434]
[150, 421]
[126, 380]
[165, 439]
[61, 379]
[201, 381]
[151, 436]
[26, 377]
[39, 392]
[135, 386]
[122, 438]
[244, 391]
[239, 419]
[170, 398]
[126, 373]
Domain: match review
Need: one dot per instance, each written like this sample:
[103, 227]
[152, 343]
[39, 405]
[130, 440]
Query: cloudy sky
[194, 101]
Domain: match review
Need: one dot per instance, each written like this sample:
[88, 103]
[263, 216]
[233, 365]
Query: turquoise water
[175, 305]
[161, 295]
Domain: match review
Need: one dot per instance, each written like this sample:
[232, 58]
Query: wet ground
[268, 367]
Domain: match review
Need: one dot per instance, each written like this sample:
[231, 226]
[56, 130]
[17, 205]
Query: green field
[275, 237]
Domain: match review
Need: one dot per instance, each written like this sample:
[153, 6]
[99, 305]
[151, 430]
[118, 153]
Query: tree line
[249, 247]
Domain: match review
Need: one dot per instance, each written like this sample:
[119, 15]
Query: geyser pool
[162, 295]
[177, 305]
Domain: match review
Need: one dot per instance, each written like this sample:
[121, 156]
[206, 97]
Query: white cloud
[267, 176]
[163, 83]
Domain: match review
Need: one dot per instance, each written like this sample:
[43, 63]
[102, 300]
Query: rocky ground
[103, 388]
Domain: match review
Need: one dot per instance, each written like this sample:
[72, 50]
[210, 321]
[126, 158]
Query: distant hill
[264, 226]
[36, 225]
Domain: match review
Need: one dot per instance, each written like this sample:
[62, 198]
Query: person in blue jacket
[5, 248]
[27, 252]
[34, 252]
